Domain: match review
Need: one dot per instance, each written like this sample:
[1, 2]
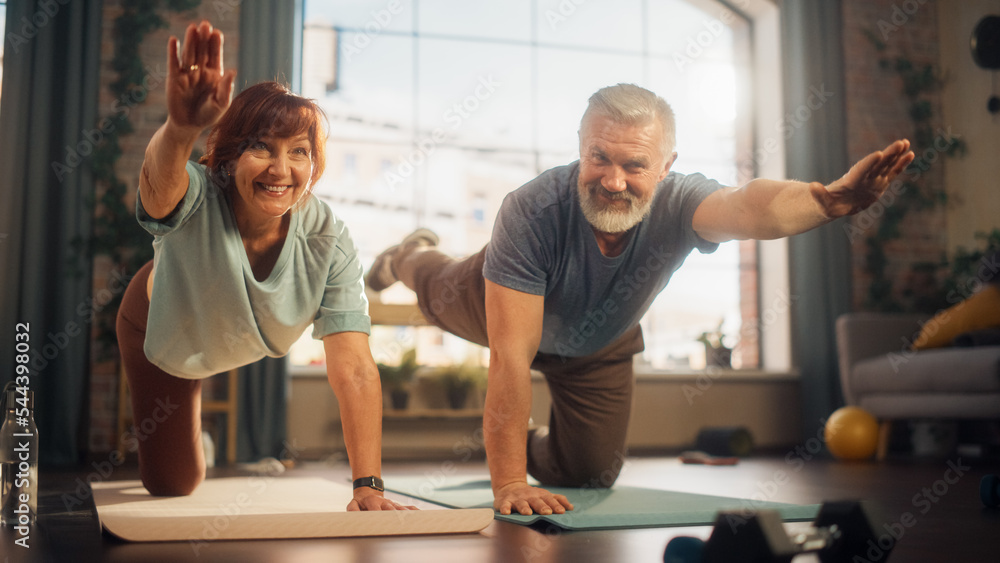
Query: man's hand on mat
[865, 182]
[370, 499]
[525, 499]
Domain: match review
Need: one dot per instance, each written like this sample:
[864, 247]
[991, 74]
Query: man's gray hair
[628, 104]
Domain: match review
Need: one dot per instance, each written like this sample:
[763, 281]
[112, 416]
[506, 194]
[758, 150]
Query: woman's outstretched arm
[198, 93]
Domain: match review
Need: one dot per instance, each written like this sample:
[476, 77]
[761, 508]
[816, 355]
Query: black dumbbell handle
[689, 549]
[989, 490]
[842, 531]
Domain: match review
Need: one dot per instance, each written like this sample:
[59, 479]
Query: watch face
[986, 42]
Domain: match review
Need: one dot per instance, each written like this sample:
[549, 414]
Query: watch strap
[371, 482]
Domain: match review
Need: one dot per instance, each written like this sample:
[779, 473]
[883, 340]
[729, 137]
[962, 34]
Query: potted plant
[458, 380]
[396, 379]
[717, 354]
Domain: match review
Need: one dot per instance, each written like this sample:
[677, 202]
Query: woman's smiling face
[272, 175]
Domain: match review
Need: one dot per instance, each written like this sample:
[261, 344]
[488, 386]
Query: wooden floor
[947, 521]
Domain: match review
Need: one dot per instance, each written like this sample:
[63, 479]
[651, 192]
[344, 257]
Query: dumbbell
[989, 490]
[841, 531]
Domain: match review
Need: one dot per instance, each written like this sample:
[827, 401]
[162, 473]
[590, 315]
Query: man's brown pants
[584, 445]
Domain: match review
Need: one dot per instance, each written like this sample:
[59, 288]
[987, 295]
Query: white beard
[608, 219]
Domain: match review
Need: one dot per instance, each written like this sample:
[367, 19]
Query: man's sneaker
[381, 275]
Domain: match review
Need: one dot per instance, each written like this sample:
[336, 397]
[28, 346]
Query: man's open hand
[525, 499]
[865, 182]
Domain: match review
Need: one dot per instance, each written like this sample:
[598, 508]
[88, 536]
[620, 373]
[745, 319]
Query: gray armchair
[879, 373]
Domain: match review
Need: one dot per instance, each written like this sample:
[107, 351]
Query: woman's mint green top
[208, 314]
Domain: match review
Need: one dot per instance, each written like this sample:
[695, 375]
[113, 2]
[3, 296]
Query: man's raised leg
[451, 292]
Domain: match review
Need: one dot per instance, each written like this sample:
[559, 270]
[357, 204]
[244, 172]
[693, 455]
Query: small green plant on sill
[459, 380]
[717, 354]
[399, 377]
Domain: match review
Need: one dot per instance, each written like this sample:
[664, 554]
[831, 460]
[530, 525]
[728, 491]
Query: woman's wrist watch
[371, 482]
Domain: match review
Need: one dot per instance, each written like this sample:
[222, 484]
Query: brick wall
[877, 114]
[147, 111]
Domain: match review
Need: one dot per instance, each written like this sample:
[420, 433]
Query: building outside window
[445, 106]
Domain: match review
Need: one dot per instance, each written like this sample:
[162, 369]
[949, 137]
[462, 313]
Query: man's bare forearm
[505, 424]
[761, 210]
[769, 209]
[782, 208]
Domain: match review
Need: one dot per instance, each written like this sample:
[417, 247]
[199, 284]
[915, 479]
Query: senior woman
[244, 260]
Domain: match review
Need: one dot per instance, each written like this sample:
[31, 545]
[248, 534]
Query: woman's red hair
[263, 110]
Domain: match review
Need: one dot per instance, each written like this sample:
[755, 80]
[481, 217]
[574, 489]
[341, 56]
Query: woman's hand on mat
[525, 499]
[370, 499]
[198, 89]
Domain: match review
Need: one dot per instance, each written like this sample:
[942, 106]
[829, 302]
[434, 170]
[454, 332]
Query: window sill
[307, 371]
[641, 374]
[432, 414]
[738, 375]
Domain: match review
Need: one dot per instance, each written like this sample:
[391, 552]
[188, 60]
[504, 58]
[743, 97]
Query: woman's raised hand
[198, 89]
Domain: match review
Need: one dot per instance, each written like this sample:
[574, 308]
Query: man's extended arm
[514, 327]
[768, 209]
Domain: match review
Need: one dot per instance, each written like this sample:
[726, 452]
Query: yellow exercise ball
[851, 433]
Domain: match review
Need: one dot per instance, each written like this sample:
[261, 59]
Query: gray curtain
[49, 103]
[264, 385]
[278, 57]
[820, 269]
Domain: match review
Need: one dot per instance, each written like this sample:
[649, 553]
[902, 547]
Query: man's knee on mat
[586, 474]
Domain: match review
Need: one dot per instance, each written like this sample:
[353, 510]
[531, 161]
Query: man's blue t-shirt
[543, 245]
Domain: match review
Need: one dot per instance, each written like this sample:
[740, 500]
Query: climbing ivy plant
[115, 232]
[914, 193]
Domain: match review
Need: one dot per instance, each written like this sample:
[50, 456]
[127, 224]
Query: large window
[439, 108]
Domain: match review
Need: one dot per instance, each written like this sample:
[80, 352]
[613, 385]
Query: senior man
[576, 257]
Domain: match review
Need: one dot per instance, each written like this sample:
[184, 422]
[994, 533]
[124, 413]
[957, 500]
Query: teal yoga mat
[600, 509]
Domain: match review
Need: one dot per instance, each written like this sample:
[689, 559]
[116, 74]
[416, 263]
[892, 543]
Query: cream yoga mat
[241, 508]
